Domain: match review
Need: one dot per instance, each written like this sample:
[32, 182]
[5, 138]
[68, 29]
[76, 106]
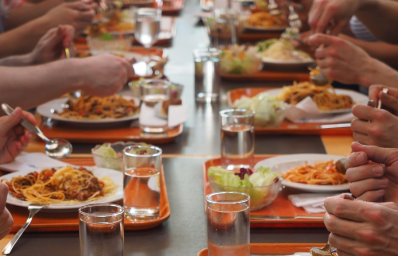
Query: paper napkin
[311, 202]
[306, 111]
[33, 162]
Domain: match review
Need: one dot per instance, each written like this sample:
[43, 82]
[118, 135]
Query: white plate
[47, 110]
[99, 172]
[285, 163]
[356, 97]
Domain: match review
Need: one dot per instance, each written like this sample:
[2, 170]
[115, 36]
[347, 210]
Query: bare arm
[387, 53]
[27, 12]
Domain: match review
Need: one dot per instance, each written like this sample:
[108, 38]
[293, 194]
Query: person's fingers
[389, 101]
[315, 13]
[6, 223]
[362, 138]
[329, 51]
[338, 27]
[320, 39]
[360, 126]
[371, 196]
[376, 154]
[31, 118]
[86, 16]
[343, 244]
[374, 92]
[390, 205]
[69, 33]
[359, 188]
[345, 211]
[3, 196]
[10, 121]
[364, 112]
[362, 172]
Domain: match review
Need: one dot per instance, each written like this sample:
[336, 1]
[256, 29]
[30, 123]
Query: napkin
[32, 162]
[311, 202]
[178, 114]
[306, 111]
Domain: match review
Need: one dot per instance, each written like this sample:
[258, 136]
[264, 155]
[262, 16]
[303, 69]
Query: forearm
[380, 17]
[379, 73]
[23, 39]
[31, 86]
[28, 12]
[15, 61]
[387, 53]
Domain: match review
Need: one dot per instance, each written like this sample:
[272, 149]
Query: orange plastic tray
[68, 221]
[275, 248]
[281, 206]
[172, 7]
[262, 76]
[285, 127]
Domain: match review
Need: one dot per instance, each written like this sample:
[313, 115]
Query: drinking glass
[237, 138]
[207, 78]
[147, 30]
[141, 184]
[154, 107]
[101, 230]
[228, 224]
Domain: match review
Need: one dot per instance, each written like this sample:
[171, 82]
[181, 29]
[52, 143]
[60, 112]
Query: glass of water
[207, 78]
[228, 224]
[237, 138]
[147, 29]
[154, 107]
[141, 182]
[101, 230]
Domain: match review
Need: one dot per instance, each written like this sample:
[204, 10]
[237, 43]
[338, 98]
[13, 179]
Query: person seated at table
[13, 137]
[22, 39]
[373, 126]
[29, 86]
[361, 228]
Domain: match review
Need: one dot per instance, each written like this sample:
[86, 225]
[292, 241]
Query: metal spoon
[319, 79]
[56, 148]
[33, 209]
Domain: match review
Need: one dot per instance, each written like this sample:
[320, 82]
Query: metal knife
[331, 126]
[271, 217]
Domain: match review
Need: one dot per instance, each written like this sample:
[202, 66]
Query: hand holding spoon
[56, 148]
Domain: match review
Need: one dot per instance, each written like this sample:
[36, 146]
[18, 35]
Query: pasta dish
[91, 107]
[322, 173]
[66, 185]
[266, 20]
[324, 96]
[281, 50]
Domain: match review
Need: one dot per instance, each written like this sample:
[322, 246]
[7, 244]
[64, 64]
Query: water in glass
[237, 146]
[154, 111]
[147, 30]
[228, 230]
[141, 193]
[207, 80]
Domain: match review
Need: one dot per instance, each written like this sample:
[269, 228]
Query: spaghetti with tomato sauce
[322, 173]
[66, 185]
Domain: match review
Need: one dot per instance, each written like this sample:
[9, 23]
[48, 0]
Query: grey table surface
[184, 233]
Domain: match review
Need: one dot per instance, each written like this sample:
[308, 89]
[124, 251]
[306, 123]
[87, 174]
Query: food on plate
[117, 22]
[324, 96]
[321, 173]
[265, 20]
[281, 50]
[239, 59]
[94, 108]
[263, 185]
[65, 185]
[269, 111]
[315, 251]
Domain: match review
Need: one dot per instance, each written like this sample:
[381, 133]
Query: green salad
[239, 60]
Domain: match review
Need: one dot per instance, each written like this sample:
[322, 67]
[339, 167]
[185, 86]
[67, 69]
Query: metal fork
[273, 8]
[294, 19]
[33, 209]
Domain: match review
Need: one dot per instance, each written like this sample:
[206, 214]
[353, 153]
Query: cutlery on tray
[33, 209]
[271, 217]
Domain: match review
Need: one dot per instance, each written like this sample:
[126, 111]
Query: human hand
[339, 59]
[6, 220]
[13, 137]
[389, 100]
[373, 126]
[373, 173]
[105, 74]
[51, 46]
[78, 14]
[331, 15]
[361, 228]
[301, 43]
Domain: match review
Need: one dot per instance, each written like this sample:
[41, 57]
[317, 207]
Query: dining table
[184, 233]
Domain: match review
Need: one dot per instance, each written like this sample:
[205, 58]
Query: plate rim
[274, 62]
[275, 29]
[118, 195]
[42, 110]
[272, 161]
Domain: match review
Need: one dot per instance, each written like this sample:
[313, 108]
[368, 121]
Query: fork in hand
[294, 19]
[273, 8]
[33, 209]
